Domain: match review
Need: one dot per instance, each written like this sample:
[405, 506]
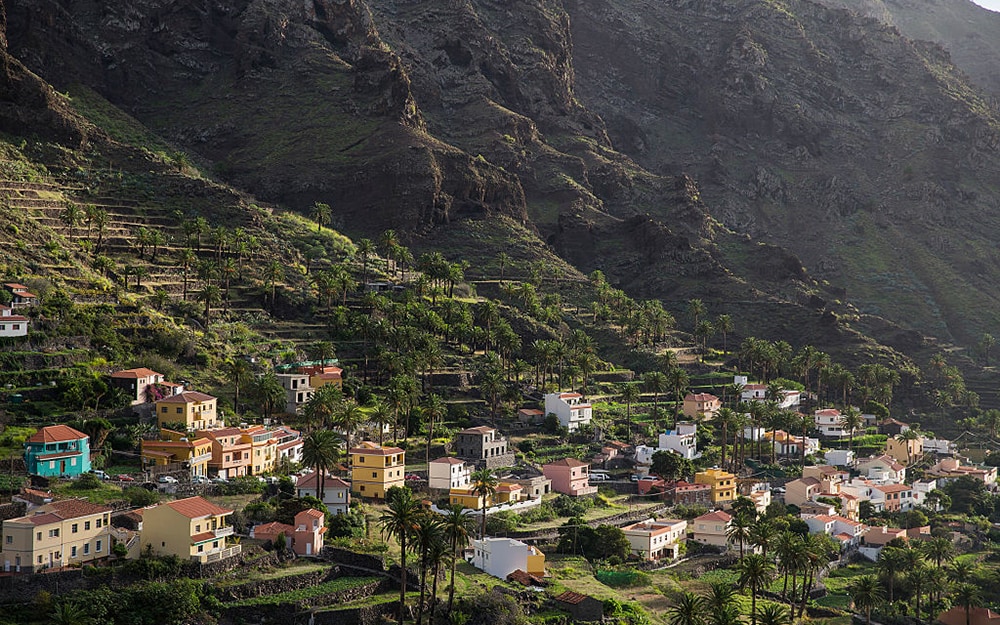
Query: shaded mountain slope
[970, 33]
[860, 151]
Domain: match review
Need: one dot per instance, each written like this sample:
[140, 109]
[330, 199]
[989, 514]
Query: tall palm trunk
[454, 563]
[423, 585]
[434, 592]
[402, 578]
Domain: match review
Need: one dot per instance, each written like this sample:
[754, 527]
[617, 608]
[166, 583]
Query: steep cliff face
[295, 101]
[815, 129]
[970, 33]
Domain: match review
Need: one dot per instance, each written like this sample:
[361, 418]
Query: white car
[167, 479]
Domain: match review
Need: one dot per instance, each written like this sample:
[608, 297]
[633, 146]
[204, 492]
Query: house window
[86, 525]
[180, 411]
[74, 528]
[10, 539]
[201, 548]
[374, 474]
[215, 544]
[164, 411]
[38, 536]
[86, 549]
[72, 551]
[99, 547]
[97, 523]
[362, 488]
[39, 559]
[54, 533]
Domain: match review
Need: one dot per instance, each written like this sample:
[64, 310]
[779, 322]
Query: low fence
[513, 507]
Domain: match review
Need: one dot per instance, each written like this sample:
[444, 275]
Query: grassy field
[302, 594]
[104, 493]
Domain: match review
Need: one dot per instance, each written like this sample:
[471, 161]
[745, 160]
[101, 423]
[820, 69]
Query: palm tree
[938, 549]
[381, 416]
[365, 249]
[399, 521]
[656, 383]
[696, 308]
[69, 613]
[678, 380]
[273, 272]
[905, 437]
[756, 573]
[968, 596]
[321, 212]
[458, 526]
[773, 614]
[961, 570]
[71, 216]
[724, 324]
[320, 450]
[428, 531]
[689, 610]
[347, 416]
[433, 408]
[319, 411]
[629, 393]
[484, 484]
[438, 554]
[739, 531]
[763, 534]
[787, 548]
[211, 295]
[188, 259]
[725, 417]
[238, 372]
[721, 605]
[918, 579]
[867, 593]
[851, 420]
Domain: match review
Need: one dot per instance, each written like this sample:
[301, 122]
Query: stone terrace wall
[362, 560]
[265, 587]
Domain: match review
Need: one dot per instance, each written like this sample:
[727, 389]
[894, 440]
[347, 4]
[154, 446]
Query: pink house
[305, 537]
[570, 477]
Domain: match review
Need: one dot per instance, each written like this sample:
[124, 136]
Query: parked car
[200, 479]
[101, 475]
[634, 478]
[124, 477]
[167, 479]
[599, 477]
[219, 480]
[413, 476]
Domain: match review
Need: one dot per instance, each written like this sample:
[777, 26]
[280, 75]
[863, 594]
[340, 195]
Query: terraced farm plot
[338, 585]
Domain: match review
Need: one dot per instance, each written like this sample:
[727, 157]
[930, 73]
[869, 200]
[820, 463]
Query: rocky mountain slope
[644, 139]
[970, 33]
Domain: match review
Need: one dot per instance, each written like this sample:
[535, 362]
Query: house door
[62, 467]
[6, 566]
[309, 549]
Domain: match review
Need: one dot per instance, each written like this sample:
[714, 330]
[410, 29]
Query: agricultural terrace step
[28, 186]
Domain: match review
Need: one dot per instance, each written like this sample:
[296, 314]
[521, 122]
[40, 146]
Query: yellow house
[906, 451]
[55, 535]
[376, 469]
[507, 492]
[263, 449]
[191, 529]
[197, 411]
[723, 484]
[176, 448]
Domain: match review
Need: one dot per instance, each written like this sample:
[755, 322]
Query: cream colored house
[197, 411]
[654, 539]
[191, 529]
[55, 535]
[712, 529]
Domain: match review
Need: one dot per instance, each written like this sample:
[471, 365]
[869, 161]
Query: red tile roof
[718, 515]
[570, 597]
[977, 616]
[310, 481]
[311, 512]
[140, 372]
[196, 507]
[273, 527]
[56, 434]
[479, 429]
[447, 460]
[828, 412]
[700, 397]
[567, 462]
[371, 449]
[188, 397]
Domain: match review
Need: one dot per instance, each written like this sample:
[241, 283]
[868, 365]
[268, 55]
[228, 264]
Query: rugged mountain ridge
[416, 114]
[970, 33]
[861, 151]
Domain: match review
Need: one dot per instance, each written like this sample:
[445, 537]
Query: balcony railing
[220, 554]
[222, 532]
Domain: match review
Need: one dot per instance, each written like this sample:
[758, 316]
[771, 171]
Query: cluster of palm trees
[924, 573]
[435, 541]
[720, 606]
[768, 548]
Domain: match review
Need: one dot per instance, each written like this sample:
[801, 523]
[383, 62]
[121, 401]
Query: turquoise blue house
[57, 450]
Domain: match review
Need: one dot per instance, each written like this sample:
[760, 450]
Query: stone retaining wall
[13, 510]
[362, 560]
[367, 615]
[265, 587]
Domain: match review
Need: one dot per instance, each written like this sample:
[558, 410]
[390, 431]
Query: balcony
[217, 555]
[222, 532]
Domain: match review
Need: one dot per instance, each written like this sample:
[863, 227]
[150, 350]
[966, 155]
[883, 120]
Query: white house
[654, 539]
[939, 446]
[830, 423]
[12, 325]
[447, 473]
[787, 400]
[921, 488]
[754, 433]
[839, 457]
[500, 557]
[570, 408]
[682, 441]
[336, 492]
[644, 454]
[883, 469]
[844, 530]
